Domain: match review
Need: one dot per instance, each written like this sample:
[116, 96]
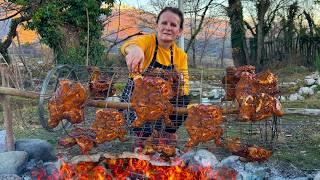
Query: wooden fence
[305, 47]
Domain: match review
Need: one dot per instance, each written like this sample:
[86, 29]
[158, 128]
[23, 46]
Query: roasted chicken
[229, 83]
[85, 138]
[256, 94]
[158, 143]
[174, 77]
[232, 78]
[109, 125]
[249, 153]
[150, 100]
[100, 86]
[203, 124]
[67, 103]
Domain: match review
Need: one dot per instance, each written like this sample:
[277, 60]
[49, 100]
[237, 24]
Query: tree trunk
[70, 42]
[238, 39]
[194, 54]
[5, 44]
[310, 22]
[262, 7]
[222, 49]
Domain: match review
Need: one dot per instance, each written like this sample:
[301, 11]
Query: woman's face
[168, 27]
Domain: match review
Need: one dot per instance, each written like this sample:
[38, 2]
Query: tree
[262, 8]
[261, 24]
[9, 11]
[71, 28]
[238, 39]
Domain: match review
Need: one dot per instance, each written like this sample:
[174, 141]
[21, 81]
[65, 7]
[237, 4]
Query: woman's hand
[134, 58]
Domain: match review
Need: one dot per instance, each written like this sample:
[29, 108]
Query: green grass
[311, 102]
[305, 155]
[119, 86]
[291, 73]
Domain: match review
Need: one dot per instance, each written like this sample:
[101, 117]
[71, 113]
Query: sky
[136, 3]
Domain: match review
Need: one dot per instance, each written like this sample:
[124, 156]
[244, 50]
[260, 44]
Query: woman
[158, 51]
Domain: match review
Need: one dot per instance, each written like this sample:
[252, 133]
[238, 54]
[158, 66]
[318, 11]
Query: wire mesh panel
[205, 88]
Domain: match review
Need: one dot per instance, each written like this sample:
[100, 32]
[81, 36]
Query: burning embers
[141, 168]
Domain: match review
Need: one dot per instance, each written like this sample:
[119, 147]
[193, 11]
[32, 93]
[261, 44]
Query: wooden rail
[122, 105]
[94, 103]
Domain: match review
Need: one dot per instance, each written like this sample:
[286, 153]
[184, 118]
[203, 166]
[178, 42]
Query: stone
[293, 97]
[52, 168]
[229, 161]
[205, 158]
[314, 75]
[194, 84]
[301, 98]
[3, 141]
[309, 80]
[37, 149]
[206, 101]
[195, 92]
[283, 98]
[9, 177]
[317, 176]
[204, 94]
[12, 162]
[216, 93]
[306, 91]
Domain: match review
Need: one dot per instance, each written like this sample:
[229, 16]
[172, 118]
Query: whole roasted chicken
[84, 138]
[100, 86]
[109, 125]
[203, 124]
[248, 152]
[67, 103]
[256, 94]
[150, 100]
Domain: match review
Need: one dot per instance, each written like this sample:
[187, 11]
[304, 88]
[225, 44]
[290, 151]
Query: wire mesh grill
[205, 88]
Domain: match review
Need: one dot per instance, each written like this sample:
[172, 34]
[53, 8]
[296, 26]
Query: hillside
[129, 22]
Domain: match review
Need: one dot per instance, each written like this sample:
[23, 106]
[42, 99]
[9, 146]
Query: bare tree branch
[194, 35]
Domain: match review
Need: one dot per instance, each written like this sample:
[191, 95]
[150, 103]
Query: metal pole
[181, 39]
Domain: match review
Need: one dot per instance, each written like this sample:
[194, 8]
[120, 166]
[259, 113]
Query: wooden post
[7, 113]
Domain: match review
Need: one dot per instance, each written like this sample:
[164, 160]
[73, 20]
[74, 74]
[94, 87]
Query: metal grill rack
[205, 88]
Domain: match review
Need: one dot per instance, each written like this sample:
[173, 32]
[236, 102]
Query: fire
[140, 169]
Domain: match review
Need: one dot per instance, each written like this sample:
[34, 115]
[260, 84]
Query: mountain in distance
[132, 21]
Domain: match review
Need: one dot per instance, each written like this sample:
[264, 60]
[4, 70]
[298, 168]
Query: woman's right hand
[134, 58]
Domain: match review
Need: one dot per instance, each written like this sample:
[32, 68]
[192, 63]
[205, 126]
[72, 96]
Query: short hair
[175, 11]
